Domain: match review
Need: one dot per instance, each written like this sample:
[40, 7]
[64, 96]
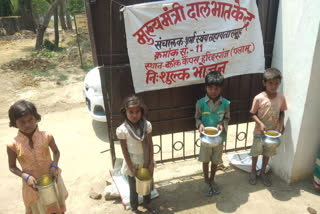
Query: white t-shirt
[134, 146]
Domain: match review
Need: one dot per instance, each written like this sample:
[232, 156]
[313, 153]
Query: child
[212, 110]
[268, 112]
[137, 146]
[31, 148]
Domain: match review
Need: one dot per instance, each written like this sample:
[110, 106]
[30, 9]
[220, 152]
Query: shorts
[258, 147]
[213, 154]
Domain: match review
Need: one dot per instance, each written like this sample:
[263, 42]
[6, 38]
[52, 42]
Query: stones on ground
[111, 192]
[311, 210]
[95, 195]
[3, 32]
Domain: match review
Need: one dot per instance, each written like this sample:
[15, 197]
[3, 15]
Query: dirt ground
[86, 169]
[24, 76]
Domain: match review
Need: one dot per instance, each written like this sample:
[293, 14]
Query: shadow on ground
[101, 130]
[184, 193]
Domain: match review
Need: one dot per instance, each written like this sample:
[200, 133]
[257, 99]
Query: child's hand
[281, 130]
[31, 181]
[220, 126]
[54, 172]
[262, 127]
[201, 128]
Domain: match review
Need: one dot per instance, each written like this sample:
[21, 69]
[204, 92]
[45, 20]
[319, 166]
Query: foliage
[87, 66]
[75, 7]
[6, 8]
[62, 77]
[39, 72]
[15, 5]
[49, 51]
[40, 7]
[51, 46]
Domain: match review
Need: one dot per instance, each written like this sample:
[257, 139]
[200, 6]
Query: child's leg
[216, 158]
[213, 172]
[253, 173]
[214, 187]
[147, 201]
[254, 164]
[133, 193]
[265, 161]
[267, 153]
[207, 187]
[205, 168]
[256, 150]
[204, 157]
[266, 178]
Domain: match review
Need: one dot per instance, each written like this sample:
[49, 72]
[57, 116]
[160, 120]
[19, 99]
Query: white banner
[176, 43]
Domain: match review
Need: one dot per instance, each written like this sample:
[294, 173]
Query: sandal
[266, 178]
[207, 190]
[253, 178]
[215, 189]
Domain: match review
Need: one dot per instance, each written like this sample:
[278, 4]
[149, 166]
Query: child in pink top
[31, 148]
[268, 112]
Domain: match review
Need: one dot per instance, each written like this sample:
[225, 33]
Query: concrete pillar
[297, 54]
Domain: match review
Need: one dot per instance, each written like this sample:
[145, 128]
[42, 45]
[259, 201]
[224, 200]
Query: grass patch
[87, 66]
[48, 53]
[62, 77]
[41, 73]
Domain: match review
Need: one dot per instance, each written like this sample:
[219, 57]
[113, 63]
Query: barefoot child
[212, 110]
[136, 144]
[268, 112]
[31, 148]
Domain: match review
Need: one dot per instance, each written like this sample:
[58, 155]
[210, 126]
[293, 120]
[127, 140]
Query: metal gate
[171, 111]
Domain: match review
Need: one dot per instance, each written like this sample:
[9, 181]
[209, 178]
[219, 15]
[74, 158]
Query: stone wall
[11, 24]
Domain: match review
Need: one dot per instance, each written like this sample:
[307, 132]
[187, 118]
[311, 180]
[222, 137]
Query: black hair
[214, 78]
[132, 100]
[271, 73]
[20, 109]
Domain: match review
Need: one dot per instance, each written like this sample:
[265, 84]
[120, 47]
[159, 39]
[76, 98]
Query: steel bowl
[272, 138]
[211, 140]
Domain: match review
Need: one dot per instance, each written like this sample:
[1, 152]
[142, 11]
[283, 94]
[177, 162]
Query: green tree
[6, 8]
[40, 7]
[43, 24]
[75, 6]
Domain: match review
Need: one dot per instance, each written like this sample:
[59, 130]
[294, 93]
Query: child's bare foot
[266, 178]
[253, 178]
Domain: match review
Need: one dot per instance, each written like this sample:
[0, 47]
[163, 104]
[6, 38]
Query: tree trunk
[68, 16]
[27, 15]
[40, 35]
[56, 28]
[62, 14]
[44, 24]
